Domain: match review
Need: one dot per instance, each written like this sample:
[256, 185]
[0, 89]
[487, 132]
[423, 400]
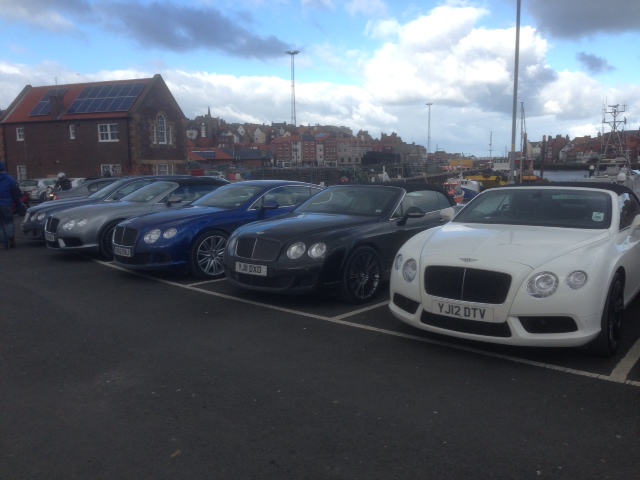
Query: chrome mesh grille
[467, 284]
[125, 237]
[261, 249]
[52, 225]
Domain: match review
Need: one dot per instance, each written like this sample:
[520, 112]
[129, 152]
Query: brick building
[125, 126]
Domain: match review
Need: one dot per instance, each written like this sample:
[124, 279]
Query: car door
[428, 201]
[629, 244]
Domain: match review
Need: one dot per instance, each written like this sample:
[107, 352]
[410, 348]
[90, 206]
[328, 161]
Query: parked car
[36, 217]
[343, 240]
[89, 228]
[192, 239]
[37, 187]
[84, 189]
[549, 265]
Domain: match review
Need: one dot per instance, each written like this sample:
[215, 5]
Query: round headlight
[542, 285]
[40, 216]
[398, 262]
[170, 233]
[296, 250]
[152, 235]
[83, 222]
[576, 280]
[317, 250]
[69, 225]
[409, 270]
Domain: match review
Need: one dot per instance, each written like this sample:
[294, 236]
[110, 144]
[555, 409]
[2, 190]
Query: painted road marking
[618, 375]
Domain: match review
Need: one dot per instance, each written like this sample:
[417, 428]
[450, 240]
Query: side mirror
[174, 199]
[448, 213]
[635, 225]
[412, 212]
[270, 205]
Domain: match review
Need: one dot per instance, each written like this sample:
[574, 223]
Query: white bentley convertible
[550, 265]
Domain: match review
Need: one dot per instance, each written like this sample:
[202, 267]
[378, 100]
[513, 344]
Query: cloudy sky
[366, 64]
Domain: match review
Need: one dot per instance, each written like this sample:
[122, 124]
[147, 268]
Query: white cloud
[369, 8]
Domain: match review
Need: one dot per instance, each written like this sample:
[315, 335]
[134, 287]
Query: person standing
[9, 194]
[63, 183]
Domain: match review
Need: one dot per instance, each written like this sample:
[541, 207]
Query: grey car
[37, 216]
[84, 189]
[89, 228]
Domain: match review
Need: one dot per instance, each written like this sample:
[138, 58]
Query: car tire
[362, 276]
[205, 260]
[106, 240]
[607, 342]
[43, 196]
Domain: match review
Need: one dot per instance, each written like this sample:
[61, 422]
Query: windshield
[229, 196]
[352, 200]
[150, 192]
[546, 207]
[119, 189]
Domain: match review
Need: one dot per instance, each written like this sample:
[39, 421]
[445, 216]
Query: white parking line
[618, 375]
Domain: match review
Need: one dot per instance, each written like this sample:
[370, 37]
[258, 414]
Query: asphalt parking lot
[109, 374]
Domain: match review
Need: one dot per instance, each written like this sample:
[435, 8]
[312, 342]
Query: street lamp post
[293, 53]
[429, 130]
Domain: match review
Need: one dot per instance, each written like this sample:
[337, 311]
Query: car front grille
[52, 224]
[124, 236]
[467, 284]
[261, 249]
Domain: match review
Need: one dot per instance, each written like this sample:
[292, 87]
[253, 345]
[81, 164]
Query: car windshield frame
[150, 193]
[368, 201]
[230, 197]
[540, 207]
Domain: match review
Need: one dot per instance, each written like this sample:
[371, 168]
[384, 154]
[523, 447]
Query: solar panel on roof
[106, 98]
[44, 106]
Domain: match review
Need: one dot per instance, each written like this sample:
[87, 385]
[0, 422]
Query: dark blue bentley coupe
[193, 238]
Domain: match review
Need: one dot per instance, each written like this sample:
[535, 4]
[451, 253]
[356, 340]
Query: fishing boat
[613, 164]
[471, 188]
[452, 185]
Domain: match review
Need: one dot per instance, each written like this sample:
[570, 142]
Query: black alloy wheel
[206, 255]
[606, 344]
[362, 276]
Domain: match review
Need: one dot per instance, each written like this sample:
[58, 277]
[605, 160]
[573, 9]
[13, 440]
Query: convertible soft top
[614, 187]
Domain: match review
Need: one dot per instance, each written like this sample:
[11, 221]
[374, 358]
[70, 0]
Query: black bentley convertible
[344, 239]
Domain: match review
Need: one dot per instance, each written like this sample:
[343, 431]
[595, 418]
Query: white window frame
[161, 129]
[72, 132]
[163, 169]
[20, 134]
[114, 169]
[22, 172]
[108, 132]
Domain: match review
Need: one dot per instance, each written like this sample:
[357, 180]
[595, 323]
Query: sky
[371, 65]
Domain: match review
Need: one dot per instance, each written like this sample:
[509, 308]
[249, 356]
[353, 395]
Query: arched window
[161, 129]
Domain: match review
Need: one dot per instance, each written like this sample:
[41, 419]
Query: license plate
[462, 311]
[49, 237]
[123, 252]
[249, 269]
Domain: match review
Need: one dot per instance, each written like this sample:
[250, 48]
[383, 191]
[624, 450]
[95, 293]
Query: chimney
[57, 106]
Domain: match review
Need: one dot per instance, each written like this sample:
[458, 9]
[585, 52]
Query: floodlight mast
[293, 53]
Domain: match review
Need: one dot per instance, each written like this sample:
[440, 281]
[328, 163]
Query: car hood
[296, 224]
[57, 205]
[97, 209]
[526, 245]
[176, 217]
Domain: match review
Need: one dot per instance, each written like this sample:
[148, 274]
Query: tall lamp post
[293, 53]
[512, 157]
[429, 130]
